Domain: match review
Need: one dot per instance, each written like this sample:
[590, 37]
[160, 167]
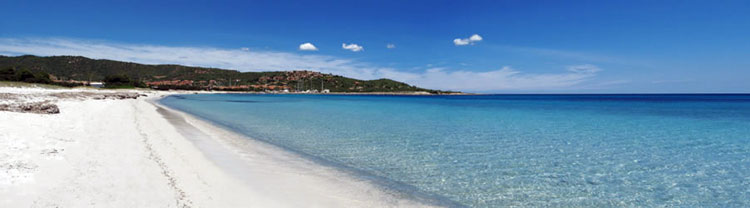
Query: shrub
[24, 75]
[42, 77]
[8, 74]
[121, 81]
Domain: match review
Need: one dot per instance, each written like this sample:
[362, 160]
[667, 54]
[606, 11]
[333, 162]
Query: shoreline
[304, 162]
[417, 93]
[128, 153]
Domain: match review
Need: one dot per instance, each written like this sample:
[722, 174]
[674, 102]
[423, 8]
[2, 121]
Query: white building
[96, 84]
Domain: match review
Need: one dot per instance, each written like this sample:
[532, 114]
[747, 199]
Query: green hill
[72, 69]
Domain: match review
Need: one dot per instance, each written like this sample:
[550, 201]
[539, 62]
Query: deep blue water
[527, 150]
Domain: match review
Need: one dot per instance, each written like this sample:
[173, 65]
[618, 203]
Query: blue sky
[525, 46]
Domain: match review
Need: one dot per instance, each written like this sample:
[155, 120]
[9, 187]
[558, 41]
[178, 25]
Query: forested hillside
[77, 69]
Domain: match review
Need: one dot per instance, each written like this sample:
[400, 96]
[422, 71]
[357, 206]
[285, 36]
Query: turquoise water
[525, 150]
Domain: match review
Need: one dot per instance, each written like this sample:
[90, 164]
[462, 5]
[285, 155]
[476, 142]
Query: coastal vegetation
[24, 75]
[15, 84]
[121, 81]
[77, 70]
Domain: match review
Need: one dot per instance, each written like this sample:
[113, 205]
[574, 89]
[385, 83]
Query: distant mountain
[81, 69]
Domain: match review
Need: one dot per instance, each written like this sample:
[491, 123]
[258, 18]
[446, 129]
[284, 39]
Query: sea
[588, 150]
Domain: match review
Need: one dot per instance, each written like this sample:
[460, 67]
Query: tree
[24, 75]
[121, 81]
[118, 80]
[8, 74]
[42, 77]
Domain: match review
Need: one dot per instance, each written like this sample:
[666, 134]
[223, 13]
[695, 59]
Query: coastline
[135, 153]
[368, 189]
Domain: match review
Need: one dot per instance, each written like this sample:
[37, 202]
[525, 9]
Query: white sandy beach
[132, 153]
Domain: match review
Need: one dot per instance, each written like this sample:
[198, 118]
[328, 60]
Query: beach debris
[43, 103]
[45, 107]
[98, 96]
[117, 96]
[16, 172]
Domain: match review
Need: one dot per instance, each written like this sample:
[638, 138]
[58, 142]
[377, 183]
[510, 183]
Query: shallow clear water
[527, 150]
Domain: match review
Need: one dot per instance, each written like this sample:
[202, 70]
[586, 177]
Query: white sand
[128, 153]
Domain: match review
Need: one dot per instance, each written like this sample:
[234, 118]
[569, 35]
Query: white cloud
[307, 47]
[505, 78]
[460, 42]
[352, 47]
[390, 46]
[584, 68]
[245, 49]
[475, 38]
[466, 41]
[569, 55]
